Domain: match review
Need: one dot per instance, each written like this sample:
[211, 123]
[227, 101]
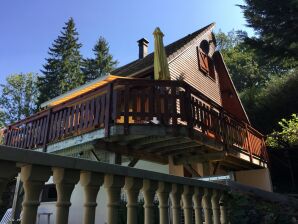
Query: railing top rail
[17, 155]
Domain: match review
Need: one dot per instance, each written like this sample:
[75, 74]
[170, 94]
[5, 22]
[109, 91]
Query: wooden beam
[165, 145]
[124, 150]
[190, 169]
[156, 143]
[180, 150]
[217, 156]
[133, 162]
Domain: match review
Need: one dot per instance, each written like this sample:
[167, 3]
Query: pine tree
[275, 23]
[62, 71]
[103, 62]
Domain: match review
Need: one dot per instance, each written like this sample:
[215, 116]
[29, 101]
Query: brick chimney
[143, 48]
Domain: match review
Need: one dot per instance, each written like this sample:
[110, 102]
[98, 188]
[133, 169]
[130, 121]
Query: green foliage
[102, 64]
[18, 97]
[287, 136]
[244, 65]
[275, 23]
[62, 71]
[269, 104]
[245, 209]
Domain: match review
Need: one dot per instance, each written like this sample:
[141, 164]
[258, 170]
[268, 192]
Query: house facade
[193, 125]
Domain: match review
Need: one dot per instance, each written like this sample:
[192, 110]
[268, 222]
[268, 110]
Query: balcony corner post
[187, 203]
[188, 110]
[132, 187]
[163, 192]
[175, 196]
[113, 184]
[65, 181]
[108, 109]
[47, 130]
[91, 183]
[33, 178]
[149, 189]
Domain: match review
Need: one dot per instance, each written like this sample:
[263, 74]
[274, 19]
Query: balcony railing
[130, 102]
[205, 199]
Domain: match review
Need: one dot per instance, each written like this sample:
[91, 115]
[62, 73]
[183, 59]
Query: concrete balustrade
[195, 196]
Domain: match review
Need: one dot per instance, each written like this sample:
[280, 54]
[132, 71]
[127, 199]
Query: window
[49, 193]
[205, 62]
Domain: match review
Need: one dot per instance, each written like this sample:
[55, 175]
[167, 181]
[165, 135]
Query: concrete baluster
[91, 183]
[33, 178]
[187, 203]
[113, 185]
[197, 200]
[175, 196]
[132, 187]
[163, 192]
[207, 205]
[65, 181]
[215, 206]
[149, 189]
[223, 208]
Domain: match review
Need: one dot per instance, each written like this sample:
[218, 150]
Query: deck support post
[175, 196]
[149, 188]
[215, 206]
[187, 204]
[33, 178]
[65, 181]
[163, 192]
[132, 187]
[91, 183]
[113, 184]
[197, 200]
[207, 206]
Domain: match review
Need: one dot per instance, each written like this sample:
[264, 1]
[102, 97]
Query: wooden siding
[230, 100]
[186, 63]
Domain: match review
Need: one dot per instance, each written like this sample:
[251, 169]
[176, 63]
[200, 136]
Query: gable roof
[172, 50]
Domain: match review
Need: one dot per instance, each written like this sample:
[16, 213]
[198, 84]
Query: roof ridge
[147, 61]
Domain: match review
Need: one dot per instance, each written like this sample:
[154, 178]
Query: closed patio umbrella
[161, 67]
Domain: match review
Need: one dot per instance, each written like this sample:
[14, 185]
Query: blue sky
[28, 28]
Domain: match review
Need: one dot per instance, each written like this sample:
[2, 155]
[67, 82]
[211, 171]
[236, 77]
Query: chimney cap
[143, 41]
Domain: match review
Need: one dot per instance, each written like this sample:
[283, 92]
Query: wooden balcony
[140, 109]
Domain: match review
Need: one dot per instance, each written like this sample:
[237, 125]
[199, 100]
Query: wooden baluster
[65, 181]
[113, 185]
[149, 189]
[175, 196]
[163, 192]
[132, 187]
[91, 183]
[187, 203]
[33, 178]
[197, 200]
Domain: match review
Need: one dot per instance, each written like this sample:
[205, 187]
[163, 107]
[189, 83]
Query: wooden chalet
[194, 124]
